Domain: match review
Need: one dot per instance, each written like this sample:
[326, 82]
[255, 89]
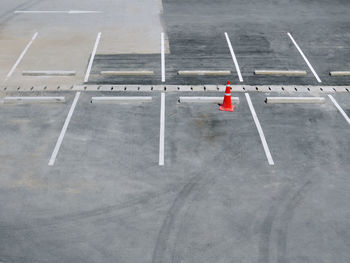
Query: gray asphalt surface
[216, 199]
[258, 33]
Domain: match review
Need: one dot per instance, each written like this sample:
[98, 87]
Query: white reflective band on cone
[226, 94]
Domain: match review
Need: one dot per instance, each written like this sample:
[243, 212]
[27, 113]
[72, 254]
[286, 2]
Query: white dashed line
[261, 132]
[21, 56]
[162, 128]
[64, 129]
[305, 58]
[340, 109]
[87, 75]
[234, 58]
[162, 56]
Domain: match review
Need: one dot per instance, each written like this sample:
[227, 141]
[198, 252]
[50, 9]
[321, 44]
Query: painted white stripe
[123, 99]
[12, 100]
[64, 129]
[162, 56]
[304, 57]
[340, 109]
[234, 58]
[21, 56]
[86, 79]
[71, 12]
[261, 132]
[162, 128]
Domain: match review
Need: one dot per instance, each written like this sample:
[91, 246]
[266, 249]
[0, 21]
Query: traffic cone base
[231, 109]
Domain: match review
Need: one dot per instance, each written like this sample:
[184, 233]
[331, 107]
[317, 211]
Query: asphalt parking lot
[103, 160]
[45, 43]
[215, 198]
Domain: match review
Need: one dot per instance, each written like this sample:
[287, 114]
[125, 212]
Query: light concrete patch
[289, 100]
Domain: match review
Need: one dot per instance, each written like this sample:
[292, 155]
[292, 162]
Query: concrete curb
[281, 72]
[178, 88]
[214, 100]
[339, 73]
[204, 72]
[58, 73]
[289, 100]
[120, 99]
[128, 73]
[15, 100]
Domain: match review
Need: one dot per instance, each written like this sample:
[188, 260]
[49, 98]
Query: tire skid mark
[280, 214]
[150, 198]
[165, 249]
[176, 253]
[10, 13]
[164, 233]
[286, 217]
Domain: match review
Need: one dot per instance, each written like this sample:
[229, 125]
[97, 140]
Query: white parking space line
[64, 129]
[302, 100]
[162, 51]
[261, 132]
[304, 57]
[340, 109]
[14, 100]
[162, 128]
[234, 58]
[71, 12]
[87, 74]
[39, 73]
[118, 99]
[21, 56]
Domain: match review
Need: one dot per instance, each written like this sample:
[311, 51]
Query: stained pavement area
[215, 199]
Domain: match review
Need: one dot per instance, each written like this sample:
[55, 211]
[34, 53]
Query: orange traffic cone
[227, 105]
